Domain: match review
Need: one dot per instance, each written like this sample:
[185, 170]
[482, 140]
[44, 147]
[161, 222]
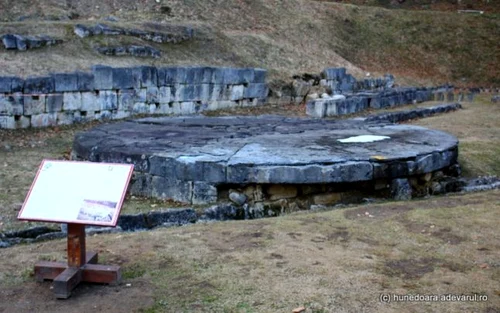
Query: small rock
[401, 189]
[237, 198]
[299, 310]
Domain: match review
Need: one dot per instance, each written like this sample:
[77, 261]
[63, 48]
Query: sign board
[77, 192]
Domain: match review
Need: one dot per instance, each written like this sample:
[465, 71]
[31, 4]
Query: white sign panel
[77, 192]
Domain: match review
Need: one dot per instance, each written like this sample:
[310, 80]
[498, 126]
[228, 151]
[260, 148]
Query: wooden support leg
[65, 282]
[81, 266]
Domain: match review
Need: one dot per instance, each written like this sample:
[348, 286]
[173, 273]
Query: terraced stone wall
[115, 93]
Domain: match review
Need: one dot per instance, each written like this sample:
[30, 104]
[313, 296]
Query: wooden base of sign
[81, 266]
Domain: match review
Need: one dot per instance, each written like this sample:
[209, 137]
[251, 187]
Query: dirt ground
[332, 261]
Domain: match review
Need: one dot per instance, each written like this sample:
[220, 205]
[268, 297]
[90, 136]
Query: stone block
[152, 94]
[34, 104]
[207, 75]
[236, 76]
[108, 100]
[167, 76]
[126, 99]
[5, 84]
[21, 43]
[65, 82]
[218, 75]
[44, 120]
[316, 108]
[140, 108]
[7, 122]
[203, 193]
[148, 76]
[17, 84]
[22, 121]
[152, 108]
[54, 103]
[90, 102]
[85, 81]
[401, 189]
[104, 115]
[164, 108]
[205, 92]
[217, 92]
[165, 95]
[12, 104]
[103, 77]
[260, 75]
[72, 101]
[188, 107]
[141, 95]
[120, 115]
[236, 92]
[126, 78]
[39, 85]
[9, 41]
[194, 75]
[334, 73]
[65, 118]
[165, 188]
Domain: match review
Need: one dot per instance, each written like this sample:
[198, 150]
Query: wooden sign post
[77, 193]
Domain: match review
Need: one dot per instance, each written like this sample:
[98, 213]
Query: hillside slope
[287, 37]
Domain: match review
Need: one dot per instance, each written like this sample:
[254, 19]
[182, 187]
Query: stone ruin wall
[116, 93]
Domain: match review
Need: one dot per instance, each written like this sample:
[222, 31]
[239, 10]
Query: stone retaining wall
[358, 102]
[115, 93]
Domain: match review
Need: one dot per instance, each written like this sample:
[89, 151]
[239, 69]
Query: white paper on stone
[363, 139]
[77, 192]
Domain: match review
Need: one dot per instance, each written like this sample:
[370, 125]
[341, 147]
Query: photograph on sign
[77, 192]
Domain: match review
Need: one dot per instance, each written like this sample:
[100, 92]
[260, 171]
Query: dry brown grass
[286, 37]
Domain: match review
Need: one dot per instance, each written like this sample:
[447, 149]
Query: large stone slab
[186, 158]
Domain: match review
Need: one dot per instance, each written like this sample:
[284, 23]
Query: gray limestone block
[34, 104]
[236, 76]
[72, 101]
[161, 75]
[165, 95]
[83, 31]
[259, 75]
[141, 185]
[126, 78]
[5, 84]
[37, 85]
[206, 91]
[194, 75]
[108, 100]
[166, 188]
[104, 115]
[170, 76]
[256, 90]
[9, 42]
[85, 81]
[126, 99]
[44, 120]
[132, 221]
[140, 108]
[207, 75]
[188, 108]
[316, 108]
[21, 43]
[236, 92]
[141, 95]
[218, 75]
[204, 193]
[65, 82]
[148, 76]
[334, 73]
[162, 166]
[65, 118]
[120, 115]
[103, 77]
[17, 84]
[54, 103]
[12, 104]
[392, 169]
[7, 122]
[90, 102]
[23, 122]
[217, 92]
[401, 189]
[152, 94]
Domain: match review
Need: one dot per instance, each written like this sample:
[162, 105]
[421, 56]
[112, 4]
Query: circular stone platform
[190, 159]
